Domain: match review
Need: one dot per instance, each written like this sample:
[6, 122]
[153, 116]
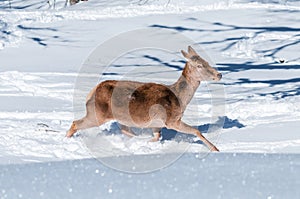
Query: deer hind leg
[126, 130]
[156, 134]
[185, 128]
[83, 123]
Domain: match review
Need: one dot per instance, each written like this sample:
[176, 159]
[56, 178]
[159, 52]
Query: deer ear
[191, 51]
[185, 54]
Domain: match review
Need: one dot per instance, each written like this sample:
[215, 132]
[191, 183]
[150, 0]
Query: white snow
[42, 48]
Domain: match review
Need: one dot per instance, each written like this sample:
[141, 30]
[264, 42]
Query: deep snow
[215, 176]
[42, 49]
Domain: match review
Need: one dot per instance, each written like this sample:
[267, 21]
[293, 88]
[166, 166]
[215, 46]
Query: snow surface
[215, 176]
[42, 48]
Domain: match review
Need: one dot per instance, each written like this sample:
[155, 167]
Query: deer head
[199, 69]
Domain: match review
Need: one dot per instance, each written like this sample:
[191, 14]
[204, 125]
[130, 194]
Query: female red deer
[148, 105]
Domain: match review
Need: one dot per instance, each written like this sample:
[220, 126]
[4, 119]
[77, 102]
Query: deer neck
[186, 86]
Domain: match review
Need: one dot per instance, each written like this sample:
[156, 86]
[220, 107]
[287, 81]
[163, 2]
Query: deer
[148, 105]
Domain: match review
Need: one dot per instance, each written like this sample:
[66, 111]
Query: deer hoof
[214, 149]
[69, 134]
[155, 139]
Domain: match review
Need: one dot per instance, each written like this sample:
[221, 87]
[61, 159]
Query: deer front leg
[156, 134]
[83, 123]
[72, 130]
[185, 128]
[126, 130]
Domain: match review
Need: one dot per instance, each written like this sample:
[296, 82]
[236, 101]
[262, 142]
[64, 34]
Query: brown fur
[148, 105]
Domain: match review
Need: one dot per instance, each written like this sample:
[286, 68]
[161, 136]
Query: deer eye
[199, 66]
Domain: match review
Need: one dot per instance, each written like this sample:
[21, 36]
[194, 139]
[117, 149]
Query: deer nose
[219, 76]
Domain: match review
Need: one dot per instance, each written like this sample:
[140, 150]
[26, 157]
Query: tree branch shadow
[43, 35]
[230, 42]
